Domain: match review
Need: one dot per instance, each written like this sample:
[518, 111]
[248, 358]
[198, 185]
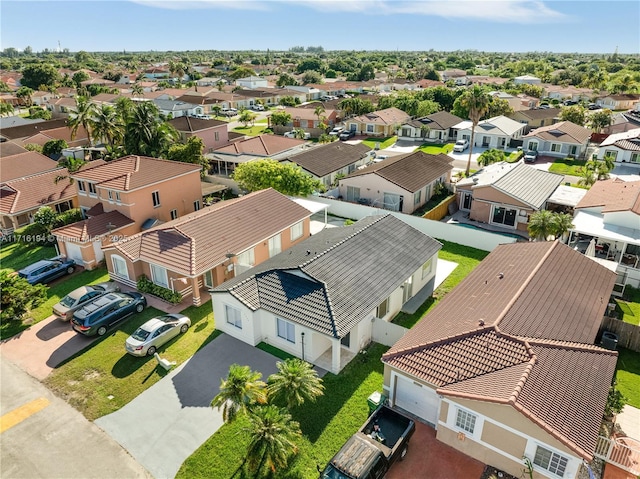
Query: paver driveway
[165, 424]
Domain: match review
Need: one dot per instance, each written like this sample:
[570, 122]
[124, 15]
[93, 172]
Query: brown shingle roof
[441, 120]
[613, 195]
[94, 227]
[564, 131]
[325, 159]
[410, 172]
[131, 172]
[388, 116]
[23, 131]
[199, 241]
[9, 148]
[24, 164]
[33, 191]
[539, 113]
[187, 123]
[261, 145]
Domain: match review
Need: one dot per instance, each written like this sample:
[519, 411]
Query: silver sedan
[156, 332]
[81, 296]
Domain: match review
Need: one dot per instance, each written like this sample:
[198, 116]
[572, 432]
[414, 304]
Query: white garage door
[417, 399]
[74, 252]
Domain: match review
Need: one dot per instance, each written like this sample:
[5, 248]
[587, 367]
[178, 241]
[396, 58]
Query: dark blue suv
[47, 270]
[106, 311]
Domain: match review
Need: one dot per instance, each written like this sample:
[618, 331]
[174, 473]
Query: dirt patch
[91, 374]
[491, 472]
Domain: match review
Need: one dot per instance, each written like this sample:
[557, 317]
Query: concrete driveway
[165, 424]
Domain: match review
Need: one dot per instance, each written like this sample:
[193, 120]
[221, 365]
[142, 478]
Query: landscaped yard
[325, 424]
[628, 376]
[384, 142]
[514, 156]
[432, 149]
[102, 378]
[251, 130]
[15, 256]
[567, 166]
[628, 307]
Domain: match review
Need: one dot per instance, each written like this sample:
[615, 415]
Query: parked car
[461, 145]
[107, 311]
[345, 135]
[257, 107]
[47, 270]
[156, 332]
[77, 298]
[336, 130]
[292, 134]
[531, 156]
[593, 106]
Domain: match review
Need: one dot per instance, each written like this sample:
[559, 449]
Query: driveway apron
[165, 424]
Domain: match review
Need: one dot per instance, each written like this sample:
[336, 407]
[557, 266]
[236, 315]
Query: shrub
[145, 285]
[36, 234]
[67, 217]
[18, 296]
[33, 147]
[615, 402]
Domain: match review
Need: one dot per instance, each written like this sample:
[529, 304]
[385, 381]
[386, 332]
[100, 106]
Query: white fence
[623, 452]
[387, 333]
[436, 229]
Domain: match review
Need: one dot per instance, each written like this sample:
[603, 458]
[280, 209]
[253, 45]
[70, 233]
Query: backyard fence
[440, 211]
[628, 334]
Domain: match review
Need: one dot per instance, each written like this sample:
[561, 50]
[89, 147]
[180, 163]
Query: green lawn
[432, 149]
[103, 377]
[466, 257]
[628, 308]
[628, 376]
[325, 424]
[384, 142]
[567, 166]
[251, 130]
[15, 256]
[514, 156]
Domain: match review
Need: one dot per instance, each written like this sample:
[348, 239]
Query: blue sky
[493, 25]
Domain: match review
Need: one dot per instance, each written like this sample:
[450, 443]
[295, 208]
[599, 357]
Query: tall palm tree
[137, 90]
[108, 125]
[318, 111]
[588, 174]
[476, 101]
[273, 434]
[295, 382]
[72, 164]
[145, 133]
[83, 115]
[239, 392]
[563, 222]
[542, 225]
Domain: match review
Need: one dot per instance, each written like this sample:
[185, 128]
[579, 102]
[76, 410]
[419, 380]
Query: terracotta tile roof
[93, 228]
[33, 191]
[24, 164]
[388, 116]
[325, 159]
[261, 145]
[613, 195]
[411, 172]
[187, 123]
[132, 172]
[306, 113]
[564, 131]
[9, 148]
[199, 241]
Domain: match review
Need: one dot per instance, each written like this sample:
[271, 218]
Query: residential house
[621, 101]
[322, 299]
[401, 183]
[456, 75]
[535, 118]
[437, 127]
[560, 139]
[561, 92]
[174, 108]
[18, 130]
[378, 123]
[206, 105]
[622, 147]
[60, 107]
[210, 246]
[621, 122]
[496, 132]
[609, 214]
[16, 162]
[156, 73]
[252, 82]
[123, 197]
[330, 161]
[9, 148]
[213, 133]
[504, 366]
[527, 80]
[306, 119]
[506, 194]
[517, 103]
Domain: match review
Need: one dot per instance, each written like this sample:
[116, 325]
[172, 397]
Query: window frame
[92, 189]
[417, 197]
[427, 268]
[159, 275]
[495, 209]
[196, 205]
[289, 333]
[116, 263]
[384, 306]
[174, 214]
[554, 462]
[275, 245]
[155, 198]
[353, 193]
[233, 319]
[465, 420]
[558, 146]
[297, 230]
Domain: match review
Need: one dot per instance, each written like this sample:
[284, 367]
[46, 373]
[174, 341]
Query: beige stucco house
[381, 123]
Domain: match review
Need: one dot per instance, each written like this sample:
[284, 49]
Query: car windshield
[140, 334]
[460, 142]
[67, 301]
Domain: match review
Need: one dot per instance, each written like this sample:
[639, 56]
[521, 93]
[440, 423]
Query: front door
[346, 341]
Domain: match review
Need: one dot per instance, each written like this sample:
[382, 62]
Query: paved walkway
[628, 422]
[165, 424]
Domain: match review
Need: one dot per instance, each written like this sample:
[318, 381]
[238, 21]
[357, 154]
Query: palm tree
[588, 174]
[220, 85]
[563, 222]
[318, 111]
[295, 382]
[72, 164]
[83, 115]
[476, 101]
[108, 125]
[273, 434]
[239, 392]
[542, 225]
[6, 109]
[137, 90]
[216, 109]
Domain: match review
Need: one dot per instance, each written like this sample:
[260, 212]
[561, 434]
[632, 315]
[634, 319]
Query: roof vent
[481, 322]
[500, 275]
[308, 252]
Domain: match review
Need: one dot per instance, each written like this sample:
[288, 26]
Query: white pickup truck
[292, 134]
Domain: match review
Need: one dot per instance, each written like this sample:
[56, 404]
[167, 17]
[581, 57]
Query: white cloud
[205, 4]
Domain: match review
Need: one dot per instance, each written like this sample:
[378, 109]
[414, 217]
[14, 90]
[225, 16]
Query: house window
[465, 421]
[245, 261]
[233, 316]
[82, 187]
[635, 157]
[417, 197]
[286, 330]
[533, 145]
[216, 136]
[174, 214]
[426, 268]
[353, 194]
[504, 216]
[275, 245]
[383, 309]
[92, 189]
[556, 147]
[120, 267]
[208, 279]
[573, 150]
[550, 461]
[159, 275]
[297, 230]
[467, 199]
[613, 154]
[64, 206]
[196, 205]
[392, 202]
[370, 129]
[155, 196]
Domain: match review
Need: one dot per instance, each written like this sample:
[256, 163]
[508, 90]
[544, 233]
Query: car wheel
[151, 351]
[70, 269]
[139, 308]
[102, 330]
[184, 328]
[404, 452]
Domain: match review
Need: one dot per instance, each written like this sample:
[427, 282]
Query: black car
[345, 135]
[107, 311]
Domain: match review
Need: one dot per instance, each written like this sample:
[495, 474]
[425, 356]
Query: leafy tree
[288, 100]
[242, 72]
[563, 222]
[190, 152]
[355, 106]
[366, 72]
[18, 296]
[80, 76]
[476, 101]
[588, 174]
[33, 147]
[287, 178]
[542, 225]
[137, 90]
[36, 112]
[295, 382]
[45, 217]
[239, 392]
[600, 119]
[246, 117]
[83, 115]
[491, 156]
[108, 125]
[286, 80]
[73, 165]
[280, 118]
[427, 107]
[53, 148]
[575, 114]
[311, 76]
[310, 64]
[326, 138]
[4, 87]
[497, 107]
[216, 109]
[145, 133]
[6, 109]
[39, 74]
[25, 93]
[272, 433]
